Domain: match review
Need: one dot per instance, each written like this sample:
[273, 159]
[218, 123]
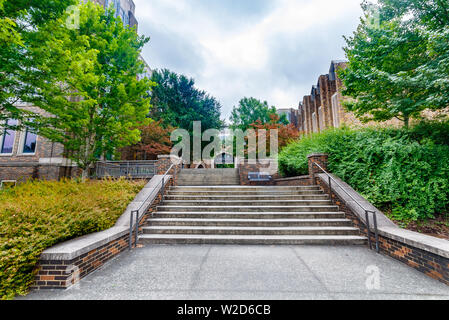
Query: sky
[273, 50]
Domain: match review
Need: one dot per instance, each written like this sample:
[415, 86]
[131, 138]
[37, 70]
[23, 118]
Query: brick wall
[61, 274]
[164, 163]
[245, 167]
[294, 181]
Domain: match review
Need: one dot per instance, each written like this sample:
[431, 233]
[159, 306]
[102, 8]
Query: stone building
[291, 114]
[125, 9]
[24, 154]
[323, 109]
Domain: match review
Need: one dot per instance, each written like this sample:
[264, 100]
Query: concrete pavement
[251, 272]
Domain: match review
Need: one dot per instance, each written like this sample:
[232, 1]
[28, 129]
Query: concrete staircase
[208, 177]
[249, 215]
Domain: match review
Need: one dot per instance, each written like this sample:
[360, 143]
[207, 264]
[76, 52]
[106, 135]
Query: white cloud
[273, 50]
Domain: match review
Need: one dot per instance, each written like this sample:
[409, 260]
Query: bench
[259, 176]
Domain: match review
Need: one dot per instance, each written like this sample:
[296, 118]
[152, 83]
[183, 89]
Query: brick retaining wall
[426, 254]
[294, 181]
[63, 272]
[246, 167]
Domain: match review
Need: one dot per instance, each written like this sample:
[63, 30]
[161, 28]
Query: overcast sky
[273, 50]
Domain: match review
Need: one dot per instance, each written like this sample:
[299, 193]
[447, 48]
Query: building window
[8, 137]
[29, 142]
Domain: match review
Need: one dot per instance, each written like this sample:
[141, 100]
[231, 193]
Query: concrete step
[245, 193]
[252, 230]
[254, 208]
[245, 197]
[212, 183]
[248, 222]
[251, 215]
[244, 188]
[259, 203]
[224, 171]
[251, 239]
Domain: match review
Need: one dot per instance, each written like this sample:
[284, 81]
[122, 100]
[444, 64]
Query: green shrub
[399, 171]
[38, 214]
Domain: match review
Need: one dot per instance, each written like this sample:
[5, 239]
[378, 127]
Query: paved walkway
[252, 272]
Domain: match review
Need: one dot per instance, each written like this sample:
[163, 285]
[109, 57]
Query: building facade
[125, 9]
[291, 115]
[322, 108]
[25, 155]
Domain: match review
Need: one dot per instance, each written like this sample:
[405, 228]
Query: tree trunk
[406, 121]
[85, 174]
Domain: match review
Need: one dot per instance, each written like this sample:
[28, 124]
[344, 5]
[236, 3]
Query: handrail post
[162, 188]
[376, 231]
[368, 229]
[137, 229]
[330, 188]
[131, 230]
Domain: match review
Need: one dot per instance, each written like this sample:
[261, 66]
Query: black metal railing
[129, 169]
[367, 212]
[139, 214]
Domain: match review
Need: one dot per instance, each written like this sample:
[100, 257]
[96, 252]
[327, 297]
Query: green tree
[178, 103]
[251, 110]
[20, 22]
[398, 67]
[95, 101]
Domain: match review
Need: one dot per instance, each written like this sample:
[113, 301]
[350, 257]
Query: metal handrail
[376, 231]
[138, 216]
[132, 169]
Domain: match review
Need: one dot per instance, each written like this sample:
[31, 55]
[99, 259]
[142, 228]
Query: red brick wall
[61, 274]
[245, 167]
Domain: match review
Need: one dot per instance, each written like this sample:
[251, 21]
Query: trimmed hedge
[39, 214]
[403, 172]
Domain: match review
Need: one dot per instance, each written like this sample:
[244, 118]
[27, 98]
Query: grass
[39, 214]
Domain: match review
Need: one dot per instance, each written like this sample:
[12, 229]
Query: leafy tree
[251, 110]
[178, 103]
[155, 141]
[287, 133]
[94, 101]
[20, 22]
[398, 68]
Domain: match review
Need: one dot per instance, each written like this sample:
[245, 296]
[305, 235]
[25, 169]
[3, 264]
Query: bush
[39, 214]
[398, 170]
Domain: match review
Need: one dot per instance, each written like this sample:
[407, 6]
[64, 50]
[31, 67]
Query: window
[29, 142]
[8, 137]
